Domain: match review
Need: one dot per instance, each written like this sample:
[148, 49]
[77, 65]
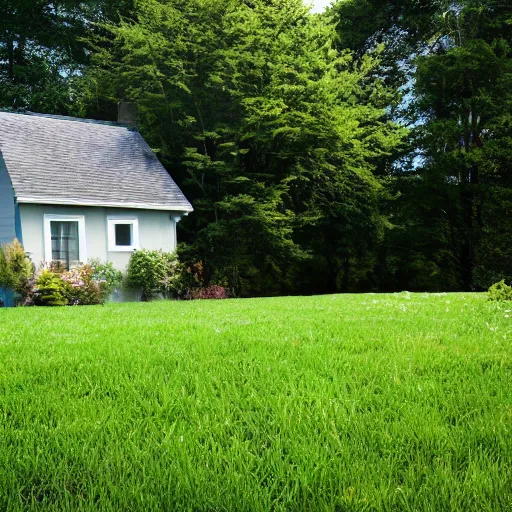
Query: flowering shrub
[56, 267]
[194, 282]
[210, 292]
[84, 287]
[154, 272]
[500, 291]
[76, 287]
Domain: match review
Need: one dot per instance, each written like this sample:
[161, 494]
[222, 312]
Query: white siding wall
[157, 230]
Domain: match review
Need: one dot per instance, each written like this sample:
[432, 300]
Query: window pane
[65, 246]
[124, 234]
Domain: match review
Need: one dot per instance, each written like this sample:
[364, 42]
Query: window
[64, 239]
[123, 234]
[65, 245]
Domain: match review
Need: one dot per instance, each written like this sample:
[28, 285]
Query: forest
[364, 149]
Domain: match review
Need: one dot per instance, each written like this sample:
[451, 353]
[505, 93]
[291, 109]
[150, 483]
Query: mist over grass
[343, 403]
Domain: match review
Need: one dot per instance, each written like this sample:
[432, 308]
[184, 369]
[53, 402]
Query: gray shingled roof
[60, 160]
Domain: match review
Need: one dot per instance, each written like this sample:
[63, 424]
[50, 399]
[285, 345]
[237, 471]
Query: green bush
[500, 291]
[16, 269]
[78, 286]
[105, 272]
[154, 272]
[50, 290]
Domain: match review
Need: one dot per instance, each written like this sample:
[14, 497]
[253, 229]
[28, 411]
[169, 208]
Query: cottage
[76, 189]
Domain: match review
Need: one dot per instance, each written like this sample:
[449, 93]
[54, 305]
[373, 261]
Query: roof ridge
[67, 118]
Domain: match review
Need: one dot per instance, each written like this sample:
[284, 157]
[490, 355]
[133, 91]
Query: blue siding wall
[17, 223]
[6, 298]
[7, 205]
[8, 228]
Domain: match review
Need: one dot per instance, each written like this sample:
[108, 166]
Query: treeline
[367, 148]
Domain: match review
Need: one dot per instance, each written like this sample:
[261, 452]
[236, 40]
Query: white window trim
[82, 248]
[111, 230]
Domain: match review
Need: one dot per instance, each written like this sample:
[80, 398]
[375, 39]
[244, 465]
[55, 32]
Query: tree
[465, 98]
[43, 50]
[452, 185]
[271, 131]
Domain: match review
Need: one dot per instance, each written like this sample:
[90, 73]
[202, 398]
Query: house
[77, 189]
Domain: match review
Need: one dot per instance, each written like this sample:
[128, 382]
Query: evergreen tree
[464, 101]
[452, 63]
[272, 132]
[43, 50]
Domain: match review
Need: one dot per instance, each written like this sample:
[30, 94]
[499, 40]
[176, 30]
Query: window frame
[82, 247]
[111, 233]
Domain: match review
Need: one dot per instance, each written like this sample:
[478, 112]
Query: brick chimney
[127, 113]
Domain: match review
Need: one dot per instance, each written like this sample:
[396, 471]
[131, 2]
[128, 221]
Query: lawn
[335, 403]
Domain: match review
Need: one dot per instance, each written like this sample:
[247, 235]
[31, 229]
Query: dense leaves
[43, 50]
[367, 148]
[463, 106]
[154, 272]
[271, 131]
[16, 269]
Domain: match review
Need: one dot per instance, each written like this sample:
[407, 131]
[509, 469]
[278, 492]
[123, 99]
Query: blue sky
[319, 5]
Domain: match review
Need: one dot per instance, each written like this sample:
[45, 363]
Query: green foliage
[500, 292]
[43, 51]
[82, 285]
[154, 272]
[51, 290]
[353, 403]
[105, 272]
[395, 29]
[287, 130]
[451, 188]
[272, 133]
[194, 285]
[16, 269]
[464, 97]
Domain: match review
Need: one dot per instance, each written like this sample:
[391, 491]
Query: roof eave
[104, 204]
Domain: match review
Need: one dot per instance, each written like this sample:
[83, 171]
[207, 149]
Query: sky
[319, 5]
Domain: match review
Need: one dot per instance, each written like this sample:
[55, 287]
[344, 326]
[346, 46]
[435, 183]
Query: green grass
[335, 403]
